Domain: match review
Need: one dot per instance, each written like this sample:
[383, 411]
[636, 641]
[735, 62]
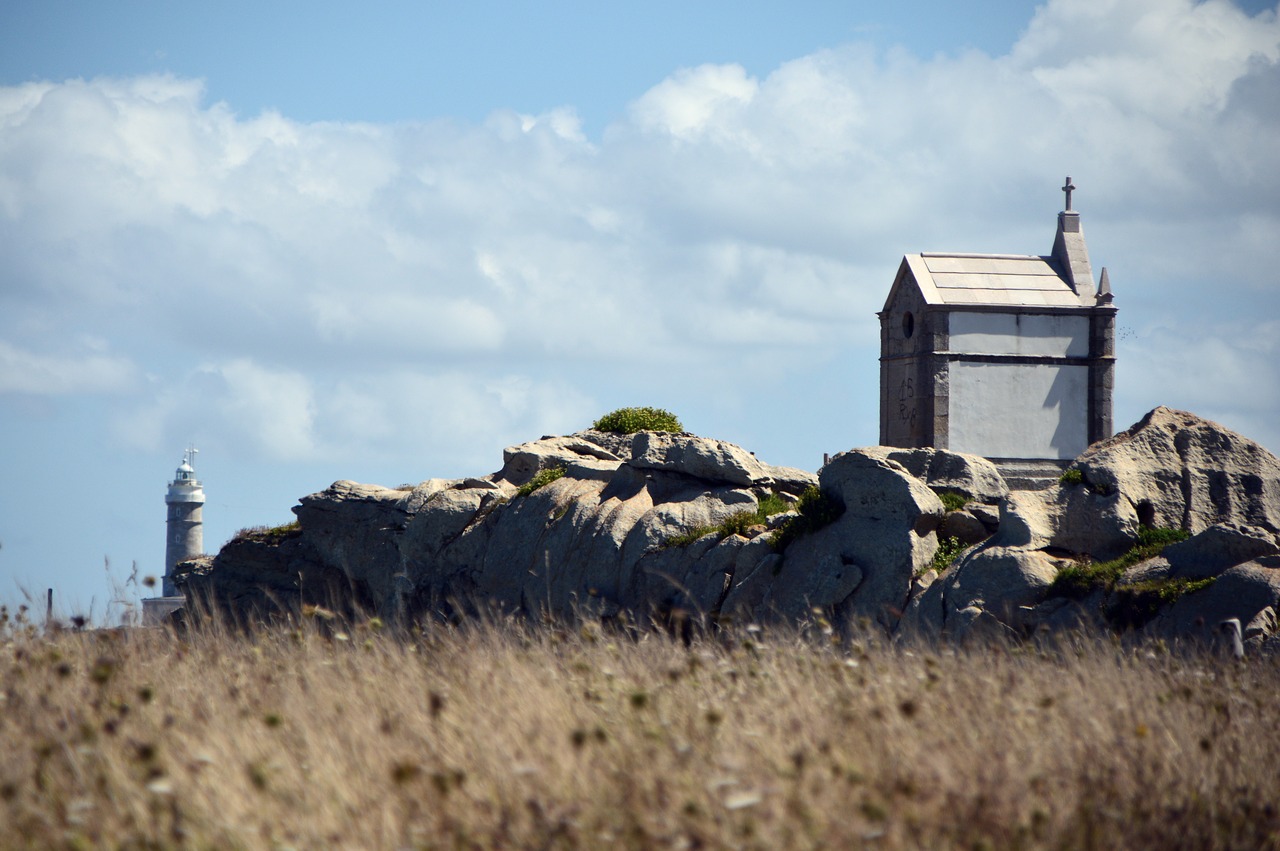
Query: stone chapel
[1007, 356]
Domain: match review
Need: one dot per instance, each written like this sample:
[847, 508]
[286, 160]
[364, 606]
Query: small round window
[908, 324]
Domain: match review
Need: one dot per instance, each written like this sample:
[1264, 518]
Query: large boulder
[943, 471]
[665, 526]
[1171, 469]
[1217, 548]
[988, 585]
[641, 527]
[596, 540]
[1242, 592]
[700, 457]
[862, 564]
[521, 463]
[356, 527]
[1178, 470]
[261, 573]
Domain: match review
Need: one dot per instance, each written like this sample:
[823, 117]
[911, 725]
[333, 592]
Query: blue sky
[323, 243]
[410, 61]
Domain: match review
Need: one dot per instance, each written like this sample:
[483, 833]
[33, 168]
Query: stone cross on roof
[1067, 187]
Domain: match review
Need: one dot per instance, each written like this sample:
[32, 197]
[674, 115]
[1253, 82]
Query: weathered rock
[1066, 517]
[618, 445]
[1003, 584]
[700, 457]
[1025, 521]
[356, 528]
[963, 526]
[974, 624]
[925, 615]
[598, 539]
[1175, 469]
[1263, 625]
[521, 463]
[1081, 521]
[430, 531]
[1218, 547]
[1241, 592]
[591, 468]
[1062, 615]
[1002, 581]
[943, 470]
[863, 563]
[789, 480]
[988, 515]
[258, 575]
[1151, 570]
[921, 583]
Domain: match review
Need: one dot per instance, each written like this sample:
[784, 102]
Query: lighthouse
[184, 533]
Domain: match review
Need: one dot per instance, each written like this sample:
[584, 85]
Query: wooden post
[48, 609]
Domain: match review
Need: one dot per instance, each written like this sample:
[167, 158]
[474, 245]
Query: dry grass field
[508, 736]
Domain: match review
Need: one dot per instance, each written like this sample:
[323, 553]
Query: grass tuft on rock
[1129, 605]
[738, 523]
[952, 500]
[814, 511]
[631, 420]
[949, 549]
[268, 534]
[1133, 606]
[541, 478]
[1081, 580]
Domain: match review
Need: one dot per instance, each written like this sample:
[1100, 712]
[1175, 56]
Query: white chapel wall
[1054, 335]
[1019, 410]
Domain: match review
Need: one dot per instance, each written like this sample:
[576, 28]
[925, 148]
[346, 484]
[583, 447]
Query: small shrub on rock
[1071, 476]
[952, 500]
[815, 510]
[771, 504]
[268, 534]
[1133, 606]
[737, 523]
[1081, 580]
[630, 420]
[684, 539]
[542, 477]
[949, 549]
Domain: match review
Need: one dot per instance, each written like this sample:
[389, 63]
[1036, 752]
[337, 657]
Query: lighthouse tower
[184, 536]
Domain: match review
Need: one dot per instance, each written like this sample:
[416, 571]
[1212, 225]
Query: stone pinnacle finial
[1067, 188]
[1104, 288]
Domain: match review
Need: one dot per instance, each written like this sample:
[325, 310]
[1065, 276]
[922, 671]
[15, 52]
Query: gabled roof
[1064, 278]
[1005, 280]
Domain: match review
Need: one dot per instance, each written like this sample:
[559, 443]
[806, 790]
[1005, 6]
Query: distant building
[184, 535]
[1011, 357]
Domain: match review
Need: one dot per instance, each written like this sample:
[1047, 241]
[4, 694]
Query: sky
[323, 243]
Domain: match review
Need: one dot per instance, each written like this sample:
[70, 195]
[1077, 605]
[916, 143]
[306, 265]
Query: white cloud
[516, 271]
[264, 412]
[63, 374]
[696, 101]
[1224, 371]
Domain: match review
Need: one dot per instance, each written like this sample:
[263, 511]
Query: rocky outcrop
[1178, 470]
[1171, 470]
[861, 564]
[260, 573]
[1247, 592]
[948, 472]
[657, 526]
[642, 527]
